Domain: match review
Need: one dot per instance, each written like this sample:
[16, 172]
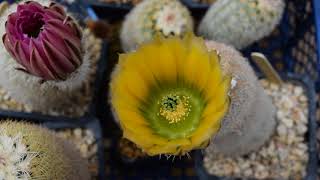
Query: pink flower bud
[44, 40]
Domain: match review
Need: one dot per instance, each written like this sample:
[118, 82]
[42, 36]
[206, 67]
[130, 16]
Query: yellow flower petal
[156, 150]
[218, 97]
[146, 141]
[160, 61]
[132, 117]
[209, 126]
[135, 62]
[197, 60]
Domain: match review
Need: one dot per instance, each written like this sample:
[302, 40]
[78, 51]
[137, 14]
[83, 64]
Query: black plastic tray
[114, 11]
[195, 5]
[312, 166]
[86, 122]
[111, 11]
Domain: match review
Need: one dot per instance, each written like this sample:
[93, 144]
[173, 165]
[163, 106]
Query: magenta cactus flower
[44, 40]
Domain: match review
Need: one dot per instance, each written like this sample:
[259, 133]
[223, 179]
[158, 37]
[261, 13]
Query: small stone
[280, 114]
[286, 102]
[264, 83]
[303, 99]
[283, 153]
[78, 133]
[274, 87]
[282, 130]
[84, 149]
[291, 136]
[6, 97]
[298, 152]
[287, 122]
[298, 91]
[302, 129]
[244, 165]
[248, 173]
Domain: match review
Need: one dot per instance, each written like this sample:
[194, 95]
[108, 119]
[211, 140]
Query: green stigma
[173, 111]
[175, 108]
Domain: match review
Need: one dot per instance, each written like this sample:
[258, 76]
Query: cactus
[241, 22]
[168, 17]
[46, 61]
[31, 152]
[251, 118]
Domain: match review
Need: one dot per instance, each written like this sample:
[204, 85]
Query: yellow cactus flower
[170, 95]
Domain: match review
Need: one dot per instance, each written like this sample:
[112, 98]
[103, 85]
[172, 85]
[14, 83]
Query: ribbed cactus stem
[251, 118]
[241, 22]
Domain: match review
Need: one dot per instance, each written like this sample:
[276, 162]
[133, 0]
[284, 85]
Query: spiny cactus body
[251, 118]
[241, 22]
[31, 152]
[168, 17]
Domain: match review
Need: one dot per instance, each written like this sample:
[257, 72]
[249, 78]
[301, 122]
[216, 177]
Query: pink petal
[23, 55]
[39, 67]
[74, 52]
[51, 36]
[8, 45]
[57, 8]
[57, 60]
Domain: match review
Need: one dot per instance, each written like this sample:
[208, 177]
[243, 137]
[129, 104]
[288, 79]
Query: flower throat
[174, 108]
[33, 26]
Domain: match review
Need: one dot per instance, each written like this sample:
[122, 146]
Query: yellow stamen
[174, 108]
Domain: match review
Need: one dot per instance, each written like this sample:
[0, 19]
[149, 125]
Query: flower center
[173, 111]
[32, 26]
[175, 108]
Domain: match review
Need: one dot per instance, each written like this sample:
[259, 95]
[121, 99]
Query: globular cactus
[168, 17]
[241, 22]
[32, 152]
[45, 54]
[251, 118]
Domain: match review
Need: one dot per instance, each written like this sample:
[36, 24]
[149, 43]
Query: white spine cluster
[241, 22]
[14, 158]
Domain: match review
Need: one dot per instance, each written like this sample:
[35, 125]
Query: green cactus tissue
[168, 17]
[45, 54]
[241, 22]
[31, 152]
